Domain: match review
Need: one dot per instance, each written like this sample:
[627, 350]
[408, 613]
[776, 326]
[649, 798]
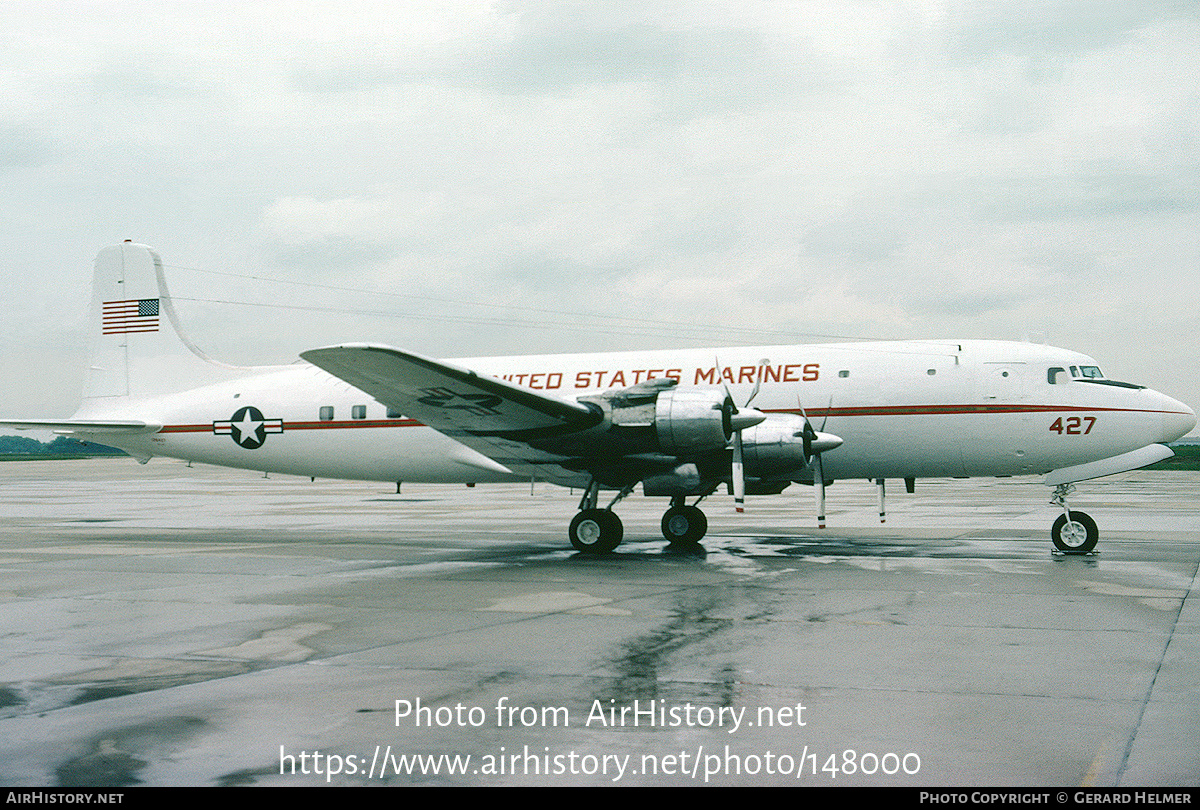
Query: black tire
[596, 531]
[684, 525]
[1077, 538]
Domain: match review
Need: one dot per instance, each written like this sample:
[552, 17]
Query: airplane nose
[1178, 419]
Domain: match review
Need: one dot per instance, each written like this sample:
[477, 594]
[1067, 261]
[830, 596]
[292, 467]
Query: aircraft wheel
[684, 525]
[596, 531]
[1078, 536]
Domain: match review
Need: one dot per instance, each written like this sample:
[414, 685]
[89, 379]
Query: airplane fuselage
[903, 409]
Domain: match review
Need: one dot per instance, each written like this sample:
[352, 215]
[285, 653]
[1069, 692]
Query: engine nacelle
[683, 480]
[692, 420]
[773, 446]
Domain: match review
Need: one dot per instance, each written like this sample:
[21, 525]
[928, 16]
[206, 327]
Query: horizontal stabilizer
[93, 426]
[1133, 460]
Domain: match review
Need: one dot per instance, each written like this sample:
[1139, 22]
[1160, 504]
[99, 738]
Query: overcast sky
[468, 178]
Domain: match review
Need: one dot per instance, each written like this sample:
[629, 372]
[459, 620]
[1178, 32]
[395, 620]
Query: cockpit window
[1093, 374]
[1077, 373]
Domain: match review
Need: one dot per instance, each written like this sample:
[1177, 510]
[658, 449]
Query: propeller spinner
[816, 443]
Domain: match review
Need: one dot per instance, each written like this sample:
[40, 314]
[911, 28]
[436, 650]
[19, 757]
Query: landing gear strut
[1073, 532]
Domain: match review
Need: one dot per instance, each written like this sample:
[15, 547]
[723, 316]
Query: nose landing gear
[1073, 532]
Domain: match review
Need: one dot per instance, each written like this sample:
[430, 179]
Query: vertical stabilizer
[137, 346]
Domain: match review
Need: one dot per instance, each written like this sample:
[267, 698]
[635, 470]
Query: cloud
[877, 169]
[20, 148]
[1040, 29]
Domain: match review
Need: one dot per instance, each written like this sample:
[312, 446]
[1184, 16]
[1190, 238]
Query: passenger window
[326, 413]
[358, 412]
[392, 413]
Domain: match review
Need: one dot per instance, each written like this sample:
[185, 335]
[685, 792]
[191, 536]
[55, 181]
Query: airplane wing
[95, 426]
[487, 414]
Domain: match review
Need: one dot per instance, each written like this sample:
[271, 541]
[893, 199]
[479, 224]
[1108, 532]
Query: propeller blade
[737, 421]
[807, 434]
[819, 486]
[739, 474]
[815, 443]
[758, 380]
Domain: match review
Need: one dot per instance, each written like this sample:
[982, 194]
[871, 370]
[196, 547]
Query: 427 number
[1073, 425]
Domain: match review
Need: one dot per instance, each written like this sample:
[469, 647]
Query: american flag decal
[119, 317]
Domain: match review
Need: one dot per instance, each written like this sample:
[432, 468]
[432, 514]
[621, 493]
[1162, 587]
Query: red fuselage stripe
[940, 410]
[326, 425]
[875, 410]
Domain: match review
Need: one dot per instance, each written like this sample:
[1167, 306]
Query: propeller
[816, 443]
[739, 420]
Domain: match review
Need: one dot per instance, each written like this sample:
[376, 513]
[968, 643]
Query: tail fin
[137, 345]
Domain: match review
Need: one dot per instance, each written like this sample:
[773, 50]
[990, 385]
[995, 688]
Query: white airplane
[680, 423]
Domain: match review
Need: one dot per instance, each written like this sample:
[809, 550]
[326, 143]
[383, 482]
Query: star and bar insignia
[248, 427]
[477, 404]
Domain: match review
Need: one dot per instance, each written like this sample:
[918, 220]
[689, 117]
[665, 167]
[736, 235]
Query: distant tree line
[61, 446]
[1187, 457]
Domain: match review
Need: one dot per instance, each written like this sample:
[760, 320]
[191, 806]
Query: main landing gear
[683, 525]
[599, 531]
[596, 531]
[1073, 532]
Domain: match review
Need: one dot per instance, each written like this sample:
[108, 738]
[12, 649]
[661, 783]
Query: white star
[246, 428]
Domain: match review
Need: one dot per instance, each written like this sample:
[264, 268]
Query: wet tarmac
[174, 625]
